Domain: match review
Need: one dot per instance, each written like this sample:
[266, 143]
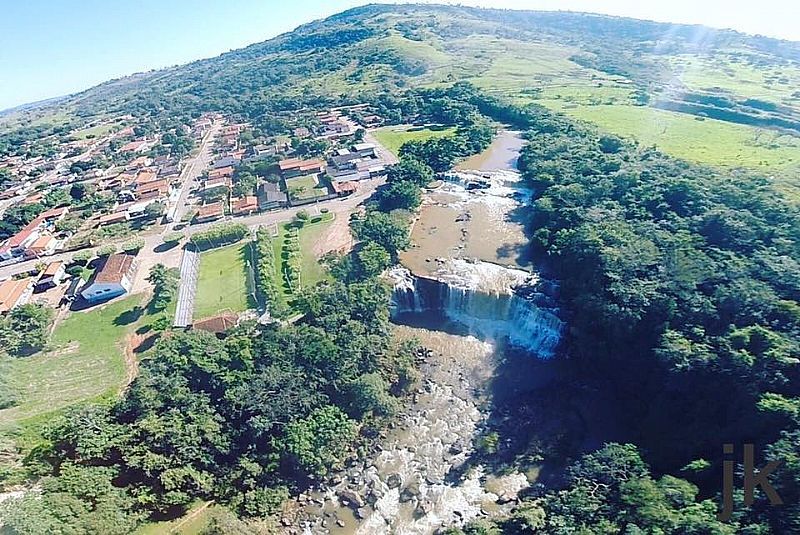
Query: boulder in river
[394, 480]
[352, 497]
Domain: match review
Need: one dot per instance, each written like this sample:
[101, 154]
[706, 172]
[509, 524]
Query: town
[113, 200]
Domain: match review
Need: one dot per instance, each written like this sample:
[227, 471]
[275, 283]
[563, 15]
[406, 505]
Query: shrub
[107, 250]
[220, 234]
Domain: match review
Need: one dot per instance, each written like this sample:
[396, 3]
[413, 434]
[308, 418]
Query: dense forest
[243, 421]
[680, 284]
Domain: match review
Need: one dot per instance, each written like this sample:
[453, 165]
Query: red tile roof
[115, 268]
[248, 203]
[11, 291]
[52, 269]
[217, 324]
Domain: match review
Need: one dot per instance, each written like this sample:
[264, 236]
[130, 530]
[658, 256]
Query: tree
[411, 170]
[24, 330]
[80, 191]
[165, 285]
[318, 443]
[133, 246]
[106, 250]
[154, 210]
[172, 238]
[373, 259]
[403, 195]
[384, 229]
[82, 257]
[302, 217]
[370, 394]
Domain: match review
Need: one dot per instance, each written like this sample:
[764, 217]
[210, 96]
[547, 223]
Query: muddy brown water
[420, 477]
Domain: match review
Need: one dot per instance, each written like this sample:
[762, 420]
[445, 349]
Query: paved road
[188, 287]
[152, 241]
[193, 169]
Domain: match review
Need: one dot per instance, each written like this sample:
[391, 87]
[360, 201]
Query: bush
[133, 246]
[267, 287]
[173, 237]
[218, 235]
[106, 250]
[82, 257]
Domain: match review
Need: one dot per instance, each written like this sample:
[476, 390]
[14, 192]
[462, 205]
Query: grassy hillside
[567, 61]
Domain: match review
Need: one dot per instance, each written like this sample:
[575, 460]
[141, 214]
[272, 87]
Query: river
[468, 293]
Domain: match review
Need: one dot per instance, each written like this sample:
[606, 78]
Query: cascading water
[421, 477]
[487, 299]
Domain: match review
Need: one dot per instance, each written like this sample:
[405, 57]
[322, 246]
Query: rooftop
[11, 291]
[115, 268]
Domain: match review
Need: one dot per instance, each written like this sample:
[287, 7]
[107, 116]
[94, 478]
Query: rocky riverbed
[419, 478]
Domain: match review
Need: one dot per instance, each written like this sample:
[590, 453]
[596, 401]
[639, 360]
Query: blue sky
[55, 47]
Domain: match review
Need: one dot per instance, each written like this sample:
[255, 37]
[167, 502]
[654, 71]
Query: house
[365, 150]
[139, 162]
[334, 129]
[343, 189]
[36, 197]
[44, 245]
[344, 162]
[372, 120]
[145, 177]
[72, 290]
[244, 205]
[210, 212]
[301, 132]
[156, 189]
[296, 167]
[217, 324]
[114, 278]
[54, 214]
[218, 182]
[170, 171]
[227, 161]
[116, 217]
[135, 146]
[22, 239]
[221, 172]
[270, 197]
[51, 277]
[14, 293]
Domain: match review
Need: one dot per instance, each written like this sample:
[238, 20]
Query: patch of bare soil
[336, 238]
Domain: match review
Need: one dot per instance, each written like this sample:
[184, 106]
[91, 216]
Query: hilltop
[649, 80]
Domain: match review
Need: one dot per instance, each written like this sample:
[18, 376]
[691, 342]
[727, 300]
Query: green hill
[598, 68]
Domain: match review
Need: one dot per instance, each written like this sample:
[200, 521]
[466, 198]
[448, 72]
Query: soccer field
[222, 282]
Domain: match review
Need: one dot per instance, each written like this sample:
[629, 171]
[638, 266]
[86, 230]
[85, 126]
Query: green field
[192, 523]
[95, 131]
[735, 75]
[305, 187]
[393, 137]
[704, 141]
[311, 271]
[86, 362]
[222, 282]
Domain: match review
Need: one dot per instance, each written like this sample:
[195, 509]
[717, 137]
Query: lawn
[192, 523]
[311, 271]
[305, 187]
[393, 137]
[708, 141]
[222, 282]
[94, 131]
[86, 362]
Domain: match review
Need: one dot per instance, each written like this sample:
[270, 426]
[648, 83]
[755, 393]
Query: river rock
[361, 513]
[394, 480]
[340, 523]
[352, 497]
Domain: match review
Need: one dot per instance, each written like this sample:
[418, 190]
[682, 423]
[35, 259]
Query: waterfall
[490, 300]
